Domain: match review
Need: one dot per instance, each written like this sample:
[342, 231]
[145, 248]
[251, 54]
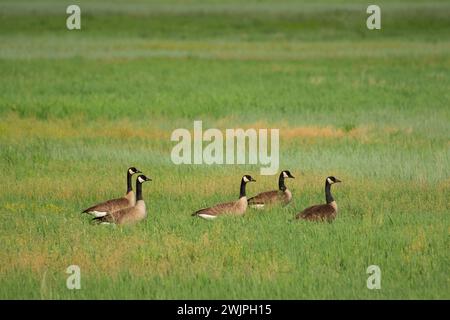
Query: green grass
[371, 107]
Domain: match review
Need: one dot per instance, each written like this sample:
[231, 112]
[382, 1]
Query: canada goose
[322, 212]
[235, 208]
[131, 214]
[282, 195]
[126, 201]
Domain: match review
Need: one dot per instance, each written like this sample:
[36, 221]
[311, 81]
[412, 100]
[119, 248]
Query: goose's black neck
[129, 186]
[328, 195]
[281, 184]
[138, 191]
[242, 193]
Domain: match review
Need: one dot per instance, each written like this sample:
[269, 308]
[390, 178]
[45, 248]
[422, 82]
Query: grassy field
[370, 107]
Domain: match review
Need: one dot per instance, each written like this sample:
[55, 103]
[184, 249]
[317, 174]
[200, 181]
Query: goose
[281, 196]
[234, 208]
[129, 200]
[128, 215]
[322, 212]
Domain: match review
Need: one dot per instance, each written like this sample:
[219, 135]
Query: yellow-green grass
[76, 109]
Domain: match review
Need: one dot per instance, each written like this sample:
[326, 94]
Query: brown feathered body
[125, 216]
[269, 198]
[321, 212]
[101, 209]
[237, 208]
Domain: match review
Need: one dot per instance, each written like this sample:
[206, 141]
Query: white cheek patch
[285, 174]
[329, 181]
[140, 180]
[246, 179]
[130, 171]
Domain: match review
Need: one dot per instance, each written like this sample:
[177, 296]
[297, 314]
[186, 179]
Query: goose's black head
[333, 180]
[141, 179]
[133, 170]
[287, 174]
[247, 178]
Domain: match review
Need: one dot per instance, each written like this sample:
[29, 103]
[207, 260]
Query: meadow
[370, 107]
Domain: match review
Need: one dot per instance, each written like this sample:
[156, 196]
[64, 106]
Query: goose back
[321, 212]
[270, 198]
[234, 208]
[125, 216]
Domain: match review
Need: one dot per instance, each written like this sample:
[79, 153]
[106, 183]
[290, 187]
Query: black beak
[337, 180]
[253, 180]
[291, 176]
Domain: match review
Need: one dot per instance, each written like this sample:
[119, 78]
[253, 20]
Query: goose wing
[108, 206]
[266, 198]
[115, 216]
[217, 209]
[317, 212]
